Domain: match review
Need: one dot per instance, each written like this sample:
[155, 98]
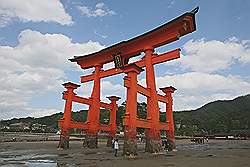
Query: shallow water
[42, 154]
[26, 158]
[29, 163]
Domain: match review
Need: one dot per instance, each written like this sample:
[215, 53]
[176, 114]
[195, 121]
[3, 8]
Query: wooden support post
[112, 120]
[169, 115]
[130, 145]
[91, 140]
[153, 137]
[64, 137]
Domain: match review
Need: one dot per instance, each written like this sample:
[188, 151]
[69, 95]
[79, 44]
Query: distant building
[38, 127]
[4, 127]
[20, 126]
[178, 125]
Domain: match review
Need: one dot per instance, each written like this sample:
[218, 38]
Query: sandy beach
[230, 153]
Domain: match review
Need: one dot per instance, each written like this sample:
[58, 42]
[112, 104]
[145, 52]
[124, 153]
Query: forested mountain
[227, 116]
[222, 116]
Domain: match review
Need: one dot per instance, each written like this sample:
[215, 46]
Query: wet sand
[229, 153]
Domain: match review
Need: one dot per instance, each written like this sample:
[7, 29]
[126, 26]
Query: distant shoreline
[35, 137]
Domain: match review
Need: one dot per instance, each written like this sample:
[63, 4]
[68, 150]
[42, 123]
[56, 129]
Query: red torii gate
[121, 53]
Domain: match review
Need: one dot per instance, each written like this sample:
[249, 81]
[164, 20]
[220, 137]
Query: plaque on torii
[120, 54]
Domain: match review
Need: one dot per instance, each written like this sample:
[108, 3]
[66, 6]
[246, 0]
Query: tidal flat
[215, 153]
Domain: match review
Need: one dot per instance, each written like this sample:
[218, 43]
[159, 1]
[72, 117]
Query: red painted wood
[156, 59]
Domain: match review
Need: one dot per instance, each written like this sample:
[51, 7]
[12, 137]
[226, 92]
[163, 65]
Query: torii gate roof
[164, 34]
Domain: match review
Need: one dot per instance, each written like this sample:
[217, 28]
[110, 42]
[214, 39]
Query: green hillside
[228, 116]
[225, 116]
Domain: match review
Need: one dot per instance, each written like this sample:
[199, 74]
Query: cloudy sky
[37, 37]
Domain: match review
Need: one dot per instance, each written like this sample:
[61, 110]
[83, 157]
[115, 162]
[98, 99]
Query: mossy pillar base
[130, 147]
[64, 142]
[170, 145]
[153, 146]
[91, 141]
[171, 140]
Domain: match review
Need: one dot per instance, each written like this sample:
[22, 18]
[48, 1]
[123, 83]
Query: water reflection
[20, 158]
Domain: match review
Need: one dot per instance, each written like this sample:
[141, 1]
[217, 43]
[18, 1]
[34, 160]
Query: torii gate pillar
[91, 140]
[169, 114]
[64, 137]
[112, 120]
[153, 136]
[130, 81]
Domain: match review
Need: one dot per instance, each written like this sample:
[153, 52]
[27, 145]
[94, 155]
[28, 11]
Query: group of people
[168, 145]
[199, 140]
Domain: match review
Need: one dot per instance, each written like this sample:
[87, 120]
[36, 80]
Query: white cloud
[35, 66]
[33, 10]
[108, 88]
[204, 82]
[24, 111]
[214, 55]
[171, 3]
[108, 66]
[100, 10]
[204, 59]
[195, 89]
[100, 35]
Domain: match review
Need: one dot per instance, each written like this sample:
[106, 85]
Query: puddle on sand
[41, 163]
[168, 165]
[26, 159]
[90, 152]
[38, 163]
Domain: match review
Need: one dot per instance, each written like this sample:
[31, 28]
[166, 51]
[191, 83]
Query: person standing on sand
[113, 143]
[116, 147]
